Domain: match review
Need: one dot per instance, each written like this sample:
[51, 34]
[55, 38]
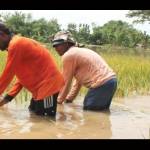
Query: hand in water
[68, 101]
[59, 102]
[2, 101]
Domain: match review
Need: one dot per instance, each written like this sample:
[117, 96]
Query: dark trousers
[100, 98]
[46, 106]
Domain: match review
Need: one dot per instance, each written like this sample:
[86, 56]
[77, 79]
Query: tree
[113, 32]
[141, 15]
[73, 29]
[116, 33]
[23, 24]
[84, 33]
[41, 29]
[18, 22]
[98, 37]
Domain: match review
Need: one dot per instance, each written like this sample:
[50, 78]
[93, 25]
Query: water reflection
[83, 124]
[70, 122]
[73, 122]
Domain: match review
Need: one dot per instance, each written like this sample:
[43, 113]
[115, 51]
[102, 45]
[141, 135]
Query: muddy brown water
[128, 118]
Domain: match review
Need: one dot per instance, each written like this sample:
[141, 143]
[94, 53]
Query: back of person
[89, 68]
[35, 67]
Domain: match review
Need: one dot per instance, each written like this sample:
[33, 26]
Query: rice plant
[133, 73]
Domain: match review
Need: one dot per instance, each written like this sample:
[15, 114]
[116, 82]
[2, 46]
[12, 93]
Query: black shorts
[46, 106]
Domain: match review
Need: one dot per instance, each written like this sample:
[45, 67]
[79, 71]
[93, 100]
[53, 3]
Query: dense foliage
[113, 32]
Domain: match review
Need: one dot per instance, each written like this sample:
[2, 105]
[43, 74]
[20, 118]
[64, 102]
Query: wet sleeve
[8, 98]
[68, 72]
[8, 72]
[13, 91]
[76, 86]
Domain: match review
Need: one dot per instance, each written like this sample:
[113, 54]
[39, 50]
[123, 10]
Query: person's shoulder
[16, 40]
[74, 49]
[20, 40]
[78, 49]
[13, 43]
[71, 52]
[69, 55]
[23, 42]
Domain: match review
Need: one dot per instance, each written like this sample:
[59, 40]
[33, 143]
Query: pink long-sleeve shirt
[88, 68]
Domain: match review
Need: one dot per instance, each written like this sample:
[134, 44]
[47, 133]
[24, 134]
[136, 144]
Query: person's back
[89, 68]
[34, 67]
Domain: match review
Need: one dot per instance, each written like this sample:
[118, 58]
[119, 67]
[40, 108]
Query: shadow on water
[124, 120]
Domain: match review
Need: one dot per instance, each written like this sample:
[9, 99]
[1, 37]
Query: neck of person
[9, 39]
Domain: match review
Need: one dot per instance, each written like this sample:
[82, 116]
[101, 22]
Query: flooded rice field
[128, 118]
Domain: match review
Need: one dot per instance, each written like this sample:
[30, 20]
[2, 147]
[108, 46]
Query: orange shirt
[34, 68]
